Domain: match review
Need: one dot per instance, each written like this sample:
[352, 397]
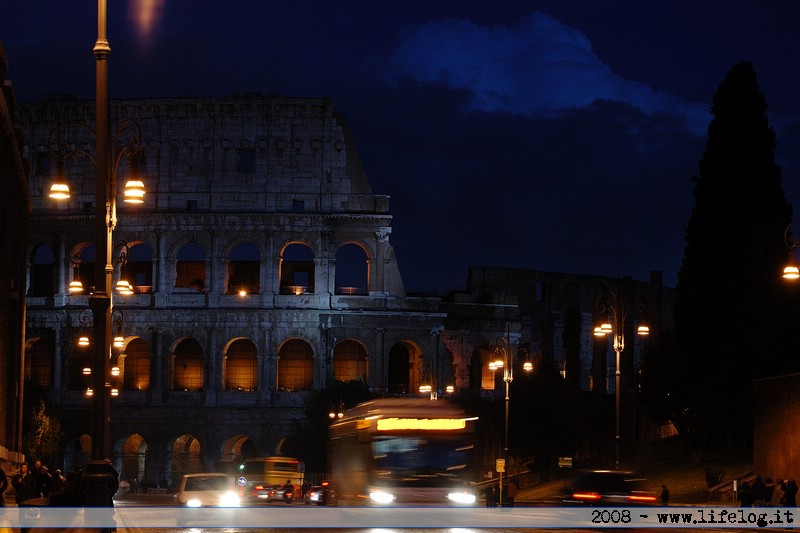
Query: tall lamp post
[617, 311]
[503, 357]
[100, 475]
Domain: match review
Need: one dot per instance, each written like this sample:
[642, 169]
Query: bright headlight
[379, 496]
[463, 498]
[229, 499]
[194, 502]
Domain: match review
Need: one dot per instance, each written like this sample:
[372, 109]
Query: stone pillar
[211, 379]
[379, 288]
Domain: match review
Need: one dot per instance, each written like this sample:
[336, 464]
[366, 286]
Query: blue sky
[558, 135]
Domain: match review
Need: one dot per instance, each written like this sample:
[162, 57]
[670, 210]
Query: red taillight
[259, 487]
[324, 483]
[586, 495]
[641, 498]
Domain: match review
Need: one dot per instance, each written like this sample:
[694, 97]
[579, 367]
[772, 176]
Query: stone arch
[350, 360]
[234, 451]
[295, 366]
[352, 269]
[404, 368]
[187, 365]
[138, 267]
[77, 452]
[297, 268]
[243, 268]
[191, 269]
[39, 361]
[183, 457]
[132, 452]
[240, 365]
[82, 257]
[42, 273]
[134, 364]
[481, 377]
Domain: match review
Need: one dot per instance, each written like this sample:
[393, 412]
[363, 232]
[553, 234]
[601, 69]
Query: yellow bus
[263, 472]
[400, 451]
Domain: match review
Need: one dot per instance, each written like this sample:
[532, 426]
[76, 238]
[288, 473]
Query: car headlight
[194, 502]
[463, 498]
[381, 497]
[229, 499]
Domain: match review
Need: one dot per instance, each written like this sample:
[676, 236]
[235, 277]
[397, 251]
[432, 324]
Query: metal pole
[617, 382]
[101, 482]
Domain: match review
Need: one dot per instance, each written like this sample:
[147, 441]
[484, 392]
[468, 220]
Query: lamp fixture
[75, 286]
[124, 287]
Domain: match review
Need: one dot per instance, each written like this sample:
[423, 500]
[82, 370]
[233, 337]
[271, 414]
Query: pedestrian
[789, 488]
[488, 492]
[512, 493]
[58, 482]
[24, 485]
[769, 491]
[43, 479]
[3, 487]
[746, 495]
[664, 495]
[759, 492]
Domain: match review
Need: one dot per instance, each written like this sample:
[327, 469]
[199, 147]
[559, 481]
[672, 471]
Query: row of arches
[297, 269]
[240, 369]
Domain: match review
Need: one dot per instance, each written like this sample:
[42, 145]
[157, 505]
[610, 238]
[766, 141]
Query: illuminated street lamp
[791, 270]
[100, 473]
[503, 356]
[617, 311]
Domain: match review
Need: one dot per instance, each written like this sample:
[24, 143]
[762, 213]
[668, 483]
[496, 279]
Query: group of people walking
[762, 492]
[492, 494]
[32, 482]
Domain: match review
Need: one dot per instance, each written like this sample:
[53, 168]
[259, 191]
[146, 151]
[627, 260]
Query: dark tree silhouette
[731, 309]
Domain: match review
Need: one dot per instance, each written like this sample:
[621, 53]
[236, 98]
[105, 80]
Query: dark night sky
[558, 135]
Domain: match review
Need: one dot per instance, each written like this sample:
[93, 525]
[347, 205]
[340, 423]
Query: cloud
[539, 67]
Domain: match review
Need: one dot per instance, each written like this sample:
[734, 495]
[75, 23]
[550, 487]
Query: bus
[263, 472]
[402, 451]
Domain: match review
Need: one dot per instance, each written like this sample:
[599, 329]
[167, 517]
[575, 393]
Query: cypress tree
[731, 308]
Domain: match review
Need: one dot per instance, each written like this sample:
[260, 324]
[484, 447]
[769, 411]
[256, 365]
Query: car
[607, 488]
[271, 493]
[319, 494]
[208, 490]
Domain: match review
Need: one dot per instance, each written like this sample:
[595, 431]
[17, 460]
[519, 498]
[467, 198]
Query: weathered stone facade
[262, 269]
[240, 302]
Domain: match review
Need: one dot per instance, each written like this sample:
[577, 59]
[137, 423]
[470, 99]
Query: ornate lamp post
[503, 357]
[100, 475]
[617, 310]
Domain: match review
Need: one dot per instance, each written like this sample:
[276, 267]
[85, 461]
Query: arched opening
[240, 370]
[244, 264]
[188, 366]
[38, 364]
[404, 369]
[139, 268]
[134, 453]
[297, 270]
[352, 270]
[83, 270]
[190, 267]
[295, 366]
[349, 361]
[42, 274]
[184, 457]
[135, 366]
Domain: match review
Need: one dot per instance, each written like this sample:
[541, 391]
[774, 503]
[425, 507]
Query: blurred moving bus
[398, 451]
[262, 472]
